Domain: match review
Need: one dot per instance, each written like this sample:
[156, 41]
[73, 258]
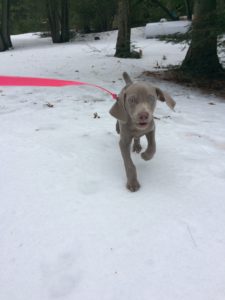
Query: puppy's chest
[138, 133]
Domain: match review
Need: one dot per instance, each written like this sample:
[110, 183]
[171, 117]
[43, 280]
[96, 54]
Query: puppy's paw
[147, 155]
[133, 185]
[137, 147]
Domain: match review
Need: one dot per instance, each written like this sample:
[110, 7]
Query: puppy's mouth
[143, 124]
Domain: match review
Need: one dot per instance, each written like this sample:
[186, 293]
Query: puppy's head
[137, 102]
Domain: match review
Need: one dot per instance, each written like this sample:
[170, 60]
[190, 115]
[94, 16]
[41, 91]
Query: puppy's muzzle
[143, 119]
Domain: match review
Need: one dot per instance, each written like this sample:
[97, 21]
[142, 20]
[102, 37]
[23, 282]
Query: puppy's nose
[143, 116]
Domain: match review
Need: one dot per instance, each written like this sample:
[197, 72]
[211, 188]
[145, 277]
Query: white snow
[69, 229]
[166, 28]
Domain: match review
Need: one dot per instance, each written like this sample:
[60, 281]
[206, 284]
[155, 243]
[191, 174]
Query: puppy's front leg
[132, 182]
[151, 148]
[137, 145]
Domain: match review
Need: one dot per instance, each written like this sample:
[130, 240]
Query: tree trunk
[201, 58]
[65, 32]
[58, 16]
[54, 20]
[2, 44]
[5, 35]
[188, 9]
[124, 31]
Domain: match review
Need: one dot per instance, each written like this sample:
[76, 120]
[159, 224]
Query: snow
[69, 228]
[166, 28]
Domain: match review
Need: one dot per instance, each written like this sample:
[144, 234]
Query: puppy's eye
[132, 100]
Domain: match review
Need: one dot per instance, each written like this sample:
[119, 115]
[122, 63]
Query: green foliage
[94, 15]
[99, 15]
[220, 23]
[90, 15]
[144, 11]
[177, 38]
[28, 16]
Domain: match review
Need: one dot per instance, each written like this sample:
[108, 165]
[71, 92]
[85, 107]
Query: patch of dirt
[212, 86]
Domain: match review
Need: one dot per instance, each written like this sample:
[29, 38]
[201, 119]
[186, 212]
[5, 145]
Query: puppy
[134, 113]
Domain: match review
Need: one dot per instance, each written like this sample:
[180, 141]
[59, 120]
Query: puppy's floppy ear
[118, 110]
[127, 78]
[164, 97]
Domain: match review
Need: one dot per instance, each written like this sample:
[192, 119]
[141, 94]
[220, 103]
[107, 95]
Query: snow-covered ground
[69, 229]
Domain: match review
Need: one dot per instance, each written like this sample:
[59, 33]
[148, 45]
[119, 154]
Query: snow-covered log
[166, 28]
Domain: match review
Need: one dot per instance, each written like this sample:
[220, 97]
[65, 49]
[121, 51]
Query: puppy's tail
[127, 79]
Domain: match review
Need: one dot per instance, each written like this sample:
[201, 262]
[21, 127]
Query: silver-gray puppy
[134, 113]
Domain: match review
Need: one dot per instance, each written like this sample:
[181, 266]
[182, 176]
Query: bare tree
[188, 5]
[5, 40]
[124, 30]
[65, 30]
[2, 44]
[202, 57]
[58, 16]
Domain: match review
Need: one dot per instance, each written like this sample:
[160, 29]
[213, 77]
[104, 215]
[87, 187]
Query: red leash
[31, 81]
